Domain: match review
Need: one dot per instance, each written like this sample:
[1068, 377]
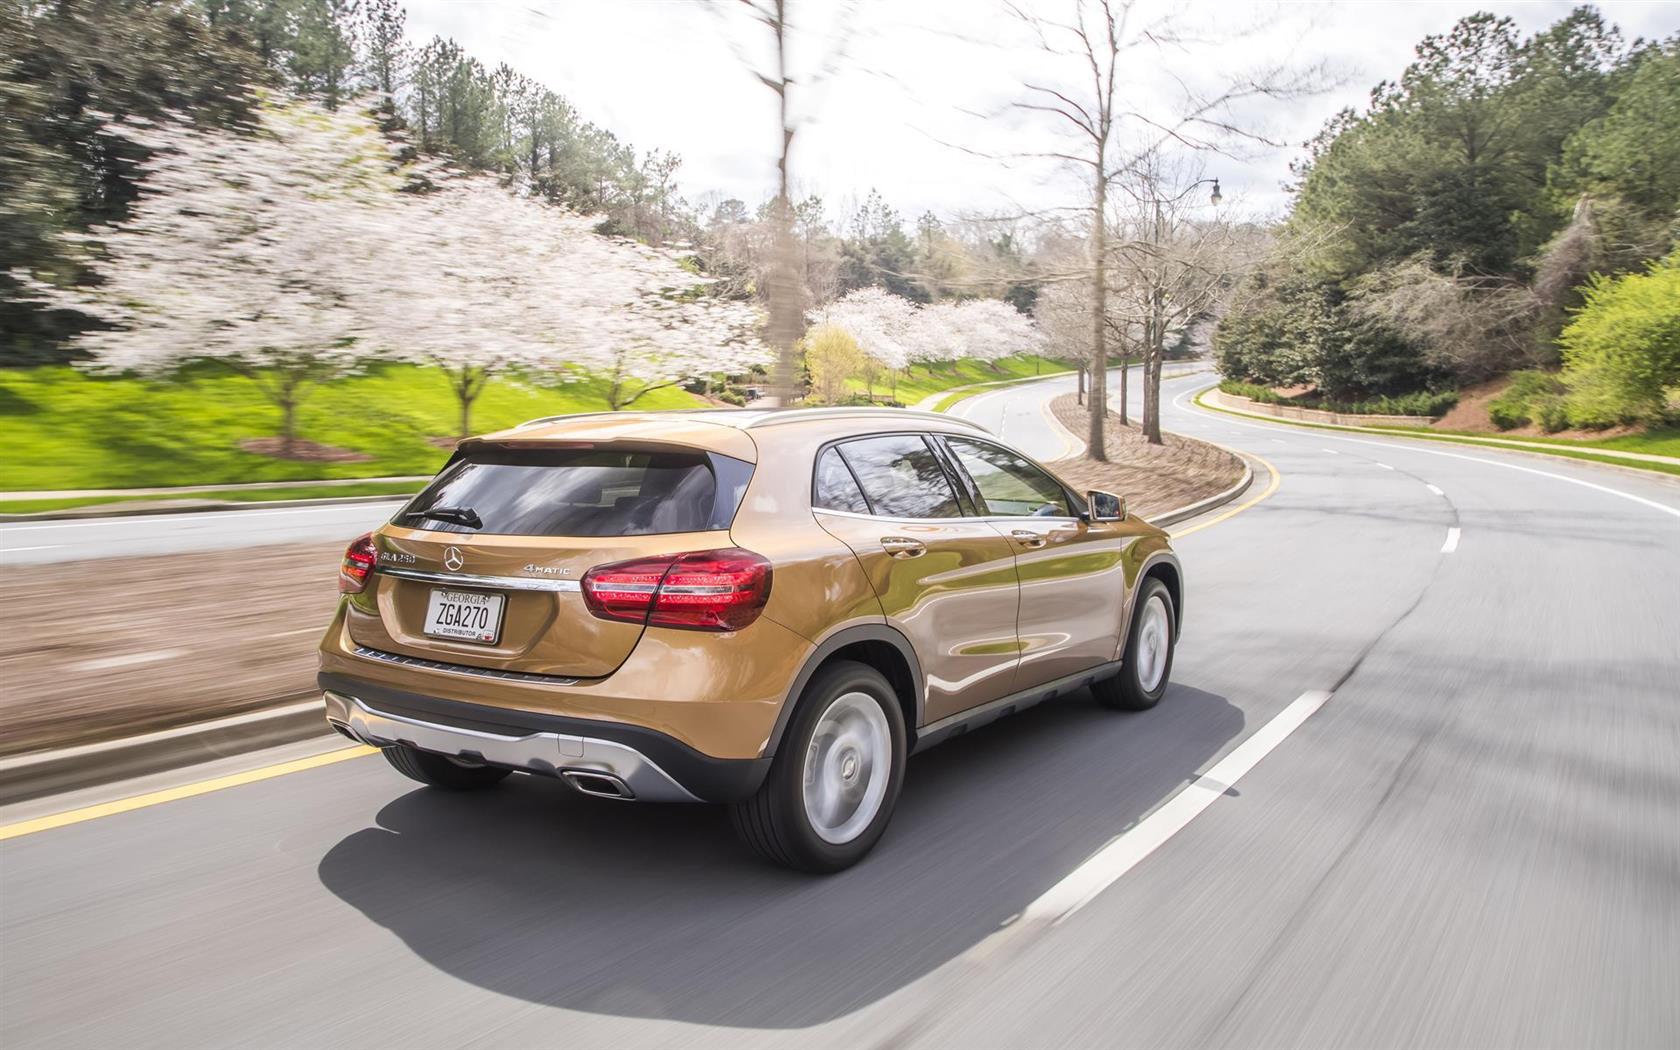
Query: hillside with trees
[1507, 205]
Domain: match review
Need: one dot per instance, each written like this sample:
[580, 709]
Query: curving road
[1417, 783]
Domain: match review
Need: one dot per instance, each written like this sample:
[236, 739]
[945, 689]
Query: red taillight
[709, 590]
[358, 564]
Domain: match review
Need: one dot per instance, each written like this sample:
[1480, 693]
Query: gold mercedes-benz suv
[770, 609]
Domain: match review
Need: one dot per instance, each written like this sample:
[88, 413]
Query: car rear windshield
[580, 492]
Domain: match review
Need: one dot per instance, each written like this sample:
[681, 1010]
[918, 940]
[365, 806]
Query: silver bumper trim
[553, 754]
[477, 672]
[500, 583]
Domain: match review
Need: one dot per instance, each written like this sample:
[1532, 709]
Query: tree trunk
[1125, 358]
[1153, 343]
[288, 424]
[467, 389]
[1096, 439]
[1152, 353]
[786, 288]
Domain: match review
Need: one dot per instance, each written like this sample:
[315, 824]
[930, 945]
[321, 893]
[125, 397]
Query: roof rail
[540, 420]
[798, 415]
[767, 417]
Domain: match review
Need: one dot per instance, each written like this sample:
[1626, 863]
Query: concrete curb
[198, 507]
[1191, 510]
[40, 773]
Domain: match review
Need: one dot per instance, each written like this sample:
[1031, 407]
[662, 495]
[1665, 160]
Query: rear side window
[581, 492]
[835, 488]
[901, 477]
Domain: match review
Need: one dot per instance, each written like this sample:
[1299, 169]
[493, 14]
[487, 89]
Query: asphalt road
[1417, 783]
[77, 539]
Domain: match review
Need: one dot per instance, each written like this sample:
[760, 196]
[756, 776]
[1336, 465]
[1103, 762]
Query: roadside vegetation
[918, 383]
[1507, 206]
[1417, 403]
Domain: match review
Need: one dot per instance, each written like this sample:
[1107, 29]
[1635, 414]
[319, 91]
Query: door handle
[1027, 538]
[903, 547]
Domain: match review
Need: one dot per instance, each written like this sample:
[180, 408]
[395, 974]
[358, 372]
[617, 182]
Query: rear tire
[835, 779]
[441, 772]
[1147, 665]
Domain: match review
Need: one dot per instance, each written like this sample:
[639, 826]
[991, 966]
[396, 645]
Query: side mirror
[1104, 506]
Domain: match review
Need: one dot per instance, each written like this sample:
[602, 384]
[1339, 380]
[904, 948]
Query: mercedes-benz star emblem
[452, 559]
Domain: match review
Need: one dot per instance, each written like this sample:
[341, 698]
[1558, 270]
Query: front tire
[835, 780]
[441, 772]
[1147, 664]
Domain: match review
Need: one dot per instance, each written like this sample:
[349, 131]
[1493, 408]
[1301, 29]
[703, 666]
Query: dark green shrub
[1552, 411]
[1518, 404]
[1252, 391]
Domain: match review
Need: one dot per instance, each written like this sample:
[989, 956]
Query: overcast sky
[920, 105]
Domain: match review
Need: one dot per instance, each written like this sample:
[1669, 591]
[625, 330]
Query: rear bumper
[598, 757]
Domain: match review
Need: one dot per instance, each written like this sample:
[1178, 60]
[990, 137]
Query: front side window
[901, 477]
[1008, 484]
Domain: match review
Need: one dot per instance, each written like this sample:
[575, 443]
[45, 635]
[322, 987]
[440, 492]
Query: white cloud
[921, 84]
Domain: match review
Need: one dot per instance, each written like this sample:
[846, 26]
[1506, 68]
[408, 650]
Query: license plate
[467, 616]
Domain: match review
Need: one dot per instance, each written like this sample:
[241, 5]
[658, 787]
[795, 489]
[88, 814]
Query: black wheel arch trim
[1161, 557]
[866, 632]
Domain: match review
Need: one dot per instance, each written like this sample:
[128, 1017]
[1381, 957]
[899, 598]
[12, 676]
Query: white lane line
[1080, 886]
[1279, 441]
[1434, 488]
[1383, 465]
[1452, 542]
[1332, 451]
[42, 547]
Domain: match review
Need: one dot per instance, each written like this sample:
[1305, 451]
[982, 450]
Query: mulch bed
[1153, 478]
[118, 646]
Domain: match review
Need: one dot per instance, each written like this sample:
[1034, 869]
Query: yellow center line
[1271, 487]
[203, 787]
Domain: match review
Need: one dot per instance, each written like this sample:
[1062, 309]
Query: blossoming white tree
[243, 248]
[897, 333]
[476, 280]
[290, 255]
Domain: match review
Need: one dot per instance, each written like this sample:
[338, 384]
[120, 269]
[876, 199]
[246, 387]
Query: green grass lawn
[64, 429]
[924, 379]
[1657, 441]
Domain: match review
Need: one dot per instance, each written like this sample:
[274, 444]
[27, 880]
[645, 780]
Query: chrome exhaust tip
[600, 785]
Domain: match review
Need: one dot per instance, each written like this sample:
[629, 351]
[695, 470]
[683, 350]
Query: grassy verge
[925, 380]
[388, 488]
[65, 429]
[1580, 450]
[1658, 441]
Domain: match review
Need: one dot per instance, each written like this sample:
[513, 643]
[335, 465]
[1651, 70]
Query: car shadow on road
[533, 892]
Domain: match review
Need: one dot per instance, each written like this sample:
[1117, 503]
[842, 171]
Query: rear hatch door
[494, 581]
